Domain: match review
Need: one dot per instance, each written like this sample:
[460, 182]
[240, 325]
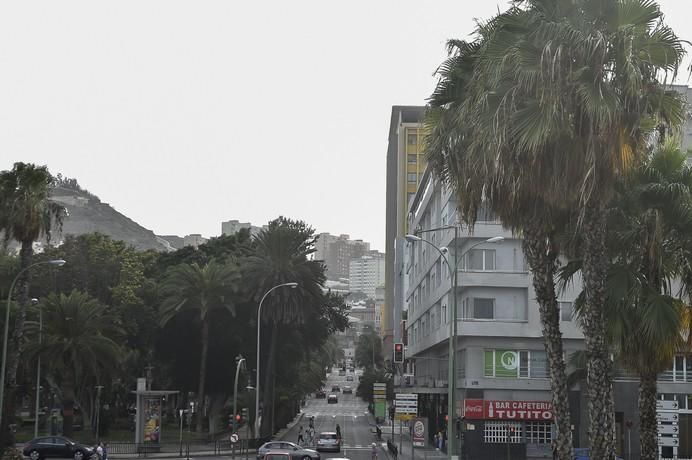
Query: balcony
[503, 279]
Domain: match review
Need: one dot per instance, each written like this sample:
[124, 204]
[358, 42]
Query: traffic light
[391, 412]
[231, 420]
[399, 353]
[244, 413]
[238, 418]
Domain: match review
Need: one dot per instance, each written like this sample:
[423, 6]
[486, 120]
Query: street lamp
[259, 317]
[240, 362]
[57, 263]
[452, 377]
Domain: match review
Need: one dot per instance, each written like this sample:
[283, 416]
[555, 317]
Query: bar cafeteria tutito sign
[507, 410]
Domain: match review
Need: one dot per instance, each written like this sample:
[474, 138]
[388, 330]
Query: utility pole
[98, 411]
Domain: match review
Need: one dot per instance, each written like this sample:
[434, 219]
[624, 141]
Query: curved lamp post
[452, 377]
[257, 384]
[57, 263]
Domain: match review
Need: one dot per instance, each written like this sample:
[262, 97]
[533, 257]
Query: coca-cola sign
[507, 410]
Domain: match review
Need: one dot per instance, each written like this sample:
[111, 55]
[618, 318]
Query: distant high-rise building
[405, 167]
[337, 252]
[231, 227]
[366, 273]
[194, 239]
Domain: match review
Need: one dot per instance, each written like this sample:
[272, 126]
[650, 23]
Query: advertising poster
[419, 430]
[152, 420]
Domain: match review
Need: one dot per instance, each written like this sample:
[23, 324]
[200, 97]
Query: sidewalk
[419, 453]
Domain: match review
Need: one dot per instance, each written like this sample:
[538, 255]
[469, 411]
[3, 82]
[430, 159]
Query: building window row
[523, 364]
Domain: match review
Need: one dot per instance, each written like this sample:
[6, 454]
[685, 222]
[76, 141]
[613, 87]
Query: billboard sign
[507, 410]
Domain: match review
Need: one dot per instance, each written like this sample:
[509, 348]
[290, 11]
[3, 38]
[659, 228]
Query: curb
[284, 431]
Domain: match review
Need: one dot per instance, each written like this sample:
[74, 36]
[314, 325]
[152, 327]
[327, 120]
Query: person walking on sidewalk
[374, 451]
[301, 441]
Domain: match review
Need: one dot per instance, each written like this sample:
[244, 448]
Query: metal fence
[223, 447]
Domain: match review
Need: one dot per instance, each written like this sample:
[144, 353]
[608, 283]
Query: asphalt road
[351, 413]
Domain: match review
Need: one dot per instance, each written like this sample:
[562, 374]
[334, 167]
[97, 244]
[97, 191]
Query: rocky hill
[87, 214]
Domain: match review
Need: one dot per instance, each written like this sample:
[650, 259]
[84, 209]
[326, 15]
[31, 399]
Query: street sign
[674, 442]
[667, 416]
[667, 405]
[404, 417]
[406, 403]
[407, 396]
[668, 429]
[234, 438]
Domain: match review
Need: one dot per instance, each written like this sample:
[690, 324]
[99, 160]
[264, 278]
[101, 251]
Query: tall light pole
[240, 361]
[98, 411]
[452, 372]
[57, 263]
[38, 367]
[259, 319]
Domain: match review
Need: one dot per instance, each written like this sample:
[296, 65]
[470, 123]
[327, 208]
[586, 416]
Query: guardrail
[222, 447]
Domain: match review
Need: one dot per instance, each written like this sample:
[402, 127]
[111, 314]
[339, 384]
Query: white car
[328, 440]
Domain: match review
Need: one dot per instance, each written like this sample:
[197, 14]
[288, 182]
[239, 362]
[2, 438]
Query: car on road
[58, 447]
[295, 451]
[342, 372]
[336, 388]
[320, 394]
[332, 399]
[277, 455]
[347, 390]
[349, 378]
[328, 441]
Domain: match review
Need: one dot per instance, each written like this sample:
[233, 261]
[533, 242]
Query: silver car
[297, 452]
[328, 441]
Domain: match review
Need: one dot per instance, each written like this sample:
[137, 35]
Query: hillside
[87, 214]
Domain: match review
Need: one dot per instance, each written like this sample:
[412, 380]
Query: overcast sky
[185, 114]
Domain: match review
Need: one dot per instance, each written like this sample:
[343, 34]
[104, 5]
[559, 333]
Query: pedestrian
[105, 451]
[374, 451]
[300, 435]
[99, 450]
[338, 431]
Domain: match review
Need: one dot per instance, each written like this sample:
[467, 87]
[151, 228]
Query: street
[350, 413]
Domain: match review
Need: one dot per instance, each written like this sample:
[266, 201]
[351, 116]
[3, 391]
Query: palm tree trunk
[648, 430]
[599, 365]
[542, 258]
[25, 256]
[202, 372]
[268, 388]
[68, 400]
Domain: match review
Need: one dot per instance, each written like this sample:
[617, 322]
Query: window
[538, 432]
[478, 308]
[496, 431]
[444, 313]
[480, 259]
[438, 271]
[515, 364]
[412, 138]
[411, 177]
[412, 158]
[566, 311]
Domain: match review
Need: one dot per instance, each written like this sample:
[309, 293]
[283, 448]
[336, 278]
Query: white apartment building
[366, 273]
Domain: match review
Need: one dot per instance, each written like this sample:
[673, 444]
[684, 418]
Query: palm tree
[202, 290]
[281, 256]
[79, 343]
[26, 214]
[648, 247]
[557, 101]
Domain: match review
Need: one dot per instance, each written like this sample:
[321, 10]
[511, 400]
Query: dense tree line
[112, 311]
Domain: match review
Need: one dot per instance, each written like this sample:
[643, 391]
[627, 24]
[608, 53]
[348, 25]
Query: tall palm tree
[281, 256]
[26, 214]
[79, 344]
[556, 102]
[202, 290]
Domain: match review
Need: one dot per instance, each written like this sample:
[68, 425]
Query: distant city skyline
[184, 114]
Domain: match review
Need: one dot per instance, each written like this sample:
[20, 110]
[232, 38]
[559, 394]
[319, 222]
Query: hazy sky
[185, 114]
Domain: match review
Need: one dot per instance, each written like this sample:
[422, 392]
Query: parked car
[277, 455]
[320, 394]
[295, 451]
[347, 390]
[349, 378]
[336, 388]
[328, 441]
[332, 399]
[342, 372]
[58, 447]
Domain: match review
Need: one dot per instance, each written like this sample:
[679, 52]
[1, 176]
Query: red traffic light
[398, 347]
[446, 418]
[237, 417]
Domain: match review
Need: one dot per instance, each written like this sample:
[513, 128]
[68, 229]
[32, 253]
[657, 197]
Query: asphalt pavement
[350, 413]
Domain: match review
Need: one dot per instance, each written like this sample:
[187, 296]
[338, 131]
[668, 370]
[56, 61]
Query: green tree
[648, 246]
[79, 346]
[280, 255]
[368, 352]
[201, 290]
[555, 101]
[26, 214]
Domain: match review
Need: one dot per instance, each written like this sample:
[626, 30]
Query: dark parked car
[336, 388]
[347, 390]
[58, 447]
[297, 452]
[320, 394]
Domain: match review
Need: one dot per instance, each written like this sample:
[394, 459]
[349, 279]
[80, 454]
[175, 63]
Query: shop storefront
[507, 429]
